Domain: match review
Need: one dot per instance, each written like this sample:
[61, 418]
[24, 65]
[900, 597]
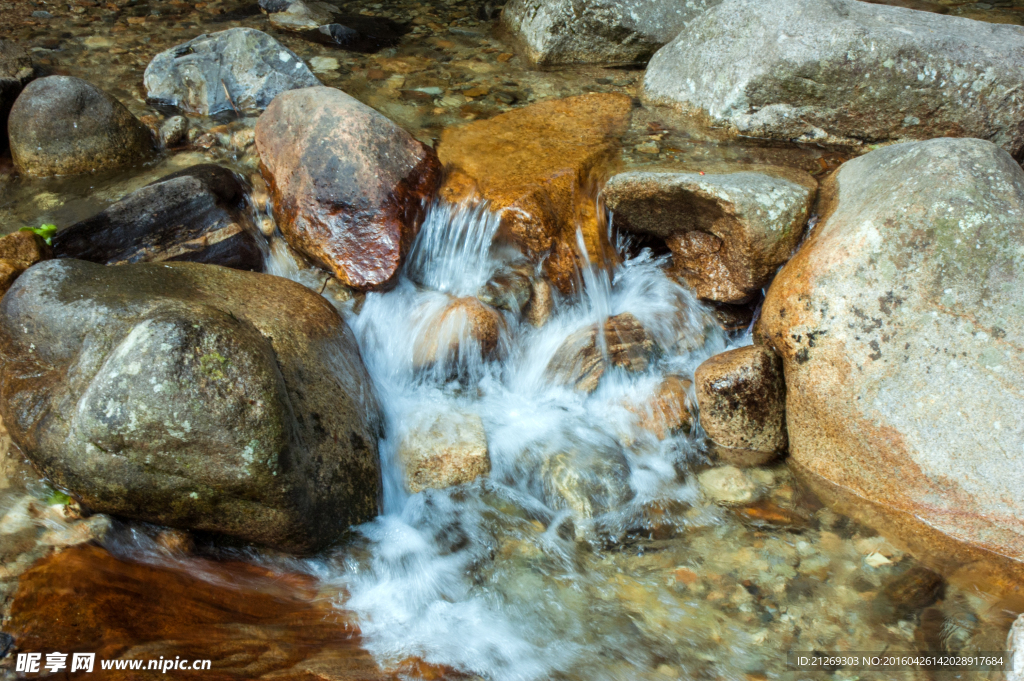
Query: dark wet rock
[919, 5]
[174, 131]
[556, 32]
[15, 62]
[444, 450]
[461, 333]
[912, 591]
[322, 23]
[61, 125]
[510, 288]
[741, 395]
[580, 362]
[85, 598]
[357, 34]
[798, 70]
[349, 186]
[192, 396]
[489, 10]
[18, 252]
[901, 331]
[729, 226]
[193, 215]
[238, 69]
[272, 6]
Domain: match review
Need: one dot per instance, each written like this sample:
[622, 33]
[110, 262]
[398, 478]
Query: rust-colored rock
[668, 409]
[742, 399]
[467, 327]
[250, 622]
[540, 167]
[18, 252]
[349, 186]
[580, 362]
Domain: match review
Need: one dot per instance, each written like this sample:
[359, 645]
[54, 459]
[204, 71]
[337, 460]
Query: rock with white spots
[170, 393]
[238, 69]
[900, 323]
[729, 226]
[843, 71]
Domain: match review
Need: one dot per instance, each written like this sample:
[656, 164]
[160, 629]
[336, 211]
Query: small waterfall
[506, 576]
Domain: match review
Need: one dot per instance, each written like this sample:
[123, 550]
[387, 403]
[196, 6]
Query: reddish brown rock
[251, 623]
[742, 399]
[668, 410]
[18, 252]
[539, 167]
[349, 186]
[448, 336]
[580, 362]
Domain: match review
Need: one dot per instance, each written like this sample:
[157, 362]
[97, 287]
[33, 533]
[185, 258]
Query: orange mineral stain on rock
[540, 167]
[250, 622]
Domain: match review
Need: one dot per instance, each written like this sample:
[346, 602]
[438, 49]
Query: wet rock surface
[459, 334]
[61, 125]
[443, 450]
[585, 355]
[902, 343]
[742, 399]
[321, 22]
[560, 32]
[239, 69]
[18, 252]
[781, 70]
[349, 185]
[195, 215]
[176, 408]
[539, 167]
[729, 227]
[249, 621]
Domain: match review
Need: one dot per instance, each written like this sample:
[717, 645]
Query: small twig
[228, 95]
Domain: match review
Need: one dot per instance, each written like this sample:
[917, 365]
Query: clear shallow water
[511, 578]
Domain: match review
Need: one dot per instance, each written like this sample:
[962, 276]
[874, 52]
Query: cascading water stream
[512, 576]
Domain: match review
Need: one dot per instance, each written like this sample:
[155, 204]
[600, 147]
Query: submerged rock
[349, 185]
[174, 131]
[239, 69]
[15, 62]
[901, 330]
[194, 214]
[510, 288]
[741, 395]
[18, 252]
[61, 125]
[86, 598]
[668, 409]
[321, 22]
[584, 356]
[171, 394]
[799, 69]
[539, 168]
[464, 332]
[444, 450]
[729, 226]
[558, 32]
[728, 485]
[588, 479]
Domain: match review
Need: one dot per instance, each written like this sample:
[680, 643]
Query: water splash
[506, 576]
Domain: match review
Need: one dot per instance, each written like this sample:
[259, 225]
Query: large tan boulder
[901, 328]
[349, 186]
[539, 167]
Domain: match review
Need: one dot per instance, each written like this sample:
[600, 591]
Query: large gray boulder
[554, 32]
[901, 328]
[240, 68]
[729, 226]
[842, 71]
[65, 126]
[194, 396]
